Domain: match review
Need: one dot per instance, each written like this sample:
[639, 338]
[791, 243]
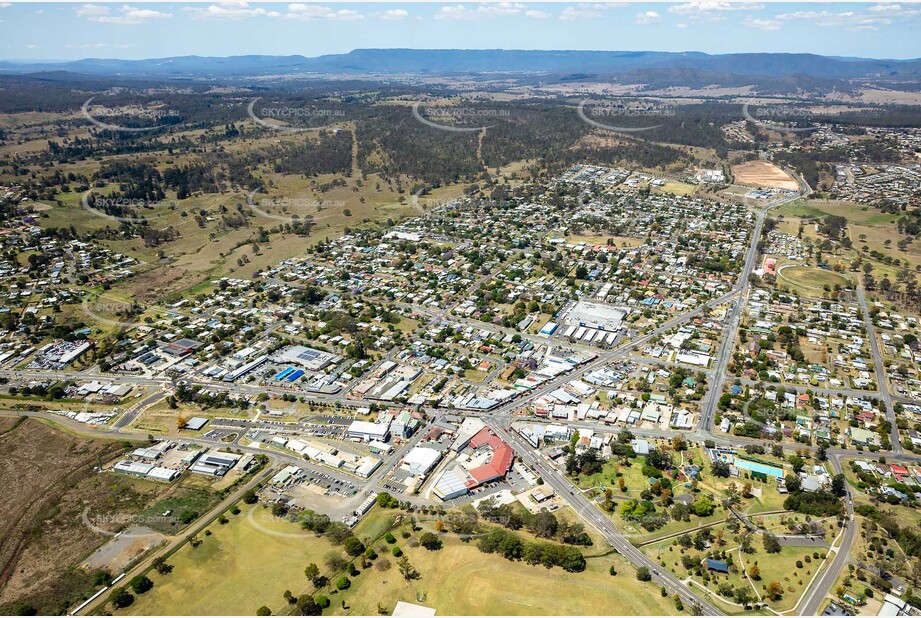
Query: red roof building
[500, 462]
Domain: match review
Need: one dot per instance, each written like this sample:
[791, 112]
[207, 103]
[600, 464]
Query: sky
[62, 31]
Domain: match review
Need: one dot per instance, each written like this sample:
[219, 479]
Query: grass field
[677, 188]
[813, 278]
[460, 580]
[780, 567]
[240, 565]
[253, 559]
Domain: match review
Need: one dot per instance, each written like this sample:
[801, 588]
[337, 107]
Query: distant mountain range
[456, 61]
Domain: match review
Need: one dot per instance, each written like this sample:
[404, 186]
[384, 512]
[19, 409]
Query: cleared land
[763, 174]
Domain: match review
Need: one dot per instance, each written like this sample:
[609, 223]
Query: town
[396, 332]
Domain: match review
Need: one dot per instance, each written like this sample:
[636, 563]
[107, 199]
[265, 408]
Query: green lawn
[460, 580]
[813, 278]
[253, 559]
[237, 569]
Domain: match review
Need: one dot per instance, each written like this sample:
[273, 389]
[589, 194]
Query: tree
[140, 584]
[838, 485]
[312, 572]
[161, 566]
[250, 497]
[307, 606]
[643, 574]
[720, 469]
[343, 583]
[544, 524]
[771, 544]
[338, 532]
[407, 570]
[747, 490]
[704, 506]
[121, 598]
[754, 572]
[353, 546]
[263, 611]
[774, 590]
[430, 541]
[745, 544]
[335, 561]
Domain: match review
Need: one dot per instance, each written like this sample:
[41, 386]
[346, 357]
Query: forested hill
[392, 61]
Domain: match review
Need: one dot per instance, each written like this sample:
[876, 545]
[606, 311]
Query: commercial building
[241, 371]
[214, 464]
[308, 358]
[363, 430]
[420, 460]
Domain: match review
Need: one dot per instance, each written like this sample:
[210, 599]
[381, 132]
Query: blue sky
[52, 31]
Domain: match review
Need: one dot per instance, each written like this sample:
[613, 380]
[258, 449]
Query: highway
[811, 602]
[601, 522]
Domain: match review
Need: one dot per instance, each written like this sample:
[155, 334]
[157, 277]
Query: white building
[363, 430]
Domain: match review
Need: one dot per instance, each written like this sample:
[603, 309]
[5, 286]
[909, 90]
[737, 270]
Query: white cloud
[232, 11]
[571, 13]
[711, 10]
[849, 20]
[125, 15]
[235, 11]
[649, 17]
[5, 5]
[314, 12]
[92, 10]
[537, 14]
[392, 15]
[767, 25]
[589, 10]
[500, 9]
[892, 9]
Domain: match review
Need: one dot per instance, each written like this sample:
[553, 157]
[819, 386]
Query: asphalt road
[880, 366]
[591, 514]
[811, 602]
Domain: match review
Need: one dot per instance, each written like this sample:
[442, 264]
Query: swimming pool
[755, 466]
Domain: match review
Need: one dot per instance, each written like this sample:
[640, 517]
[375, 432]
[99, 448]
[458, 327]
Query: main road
[810, 602]
[879, 364]
[590, 513]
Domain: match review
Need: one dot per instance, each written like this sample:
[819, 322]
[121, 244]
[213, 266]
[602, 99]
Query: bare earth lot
[763, 174]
